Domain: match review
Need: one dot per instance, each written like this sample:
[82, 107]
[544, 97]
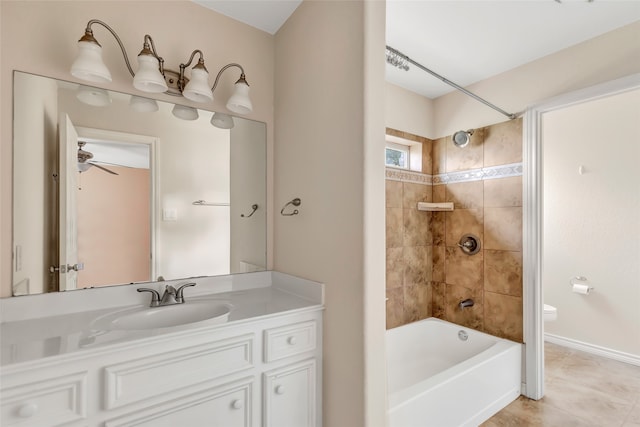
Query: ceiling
[465, 41]
[265, 15]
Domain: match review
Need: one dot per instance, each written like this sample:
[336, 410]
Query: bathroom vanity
[104, 358]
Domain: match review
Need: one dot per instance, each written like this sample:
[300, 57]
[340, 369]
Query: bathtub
[437, 378]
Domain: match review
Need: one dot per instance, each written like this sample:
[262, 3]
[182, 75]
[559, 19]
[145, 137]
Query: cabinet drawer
[223, 406]
[54, 402]
[157, 375]
[289, 340]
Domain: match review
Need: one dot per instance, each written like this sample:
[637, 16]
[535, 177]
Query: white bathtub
[436, 379]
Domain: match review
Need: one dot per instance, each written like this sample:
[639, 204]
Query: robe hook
[254, 207]
[294, 202]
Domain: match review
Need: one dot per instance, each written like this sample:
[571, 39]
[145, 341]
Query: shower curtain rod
[450, 83]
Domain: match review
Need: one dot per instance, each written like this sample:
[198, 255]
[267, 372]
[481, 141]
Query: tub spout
[465, 303]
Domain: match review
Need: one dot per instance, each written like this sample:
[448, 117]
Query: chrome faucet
[171, 295]
[465, 303]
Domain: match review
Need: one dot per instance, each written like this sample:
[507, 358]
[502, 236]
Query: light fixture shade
[239, 101]
[88, 65]
[93, 96]
[143, 105]
[148, 78]
[185, 113]
[198, 89]
[222, 121]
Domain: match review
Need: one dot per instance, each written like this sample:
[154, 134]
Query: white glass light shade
[185, 113]
[143, 105]
[88, 65]
[93, 96]
[198, 89]
[148, 78]
[222, 121]
[83, 167]
[239, 101]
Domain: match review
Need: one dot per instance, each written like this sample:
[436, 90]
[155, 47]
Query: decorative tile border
[492, 172]
[408, 176]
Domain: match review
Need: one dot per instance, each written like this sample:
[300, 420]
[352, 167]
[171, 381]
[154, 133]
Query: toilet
[550, 313]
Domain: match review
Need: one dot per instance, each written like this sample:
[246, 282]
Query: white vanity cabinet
[250, 373]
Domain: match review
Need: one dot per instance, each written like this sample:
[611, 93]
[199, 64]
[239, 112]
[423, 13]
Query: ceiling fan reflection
[83, 160]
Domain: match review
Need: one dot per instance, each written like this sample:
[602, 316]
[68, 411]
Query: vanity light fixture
[185, 113]
[143, 105]
[93, 96]
[152, 77]
[222, 121]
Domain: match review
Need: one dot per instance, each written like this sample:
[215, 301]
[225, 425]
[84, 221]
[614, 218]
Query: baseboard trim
[593, 349]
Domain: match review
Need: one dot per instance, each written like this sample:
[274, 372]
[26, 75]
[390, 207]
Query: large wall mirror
[111, 188]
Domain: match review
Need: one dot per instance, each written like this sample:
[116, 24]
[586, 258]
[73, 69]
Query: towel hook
[294, 202]
[254, 207]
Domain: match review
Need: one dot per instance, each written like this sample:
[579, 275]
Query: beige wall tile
[395, 307]
[393, 194]
[503, 272]
[465, 195]
[471, 317]
[438, 299]
[503, 229]
[417, 265]
[461, 222]
[503, 143]
[394, 227]
[413, 193]
[439, 156]
[395, 268]
[438, 220]
[417, 302]
[439, 193]
[503, 316]
[462, 269]
[503, 192]
[469, 157]
[427, 157]
[439, 257]
[417, 229]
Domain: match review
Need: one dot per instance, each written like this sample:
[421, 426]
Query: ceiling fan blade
[104, 169]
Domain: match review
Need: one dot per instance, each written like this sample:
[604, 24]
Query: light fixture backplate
[173, 78]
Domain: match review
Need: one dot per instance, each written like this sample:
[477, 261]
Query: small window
[397, 155]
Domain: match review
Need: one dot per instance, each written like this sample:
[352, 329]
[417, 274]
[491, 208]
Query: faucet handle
[155, 296]
[179, 296]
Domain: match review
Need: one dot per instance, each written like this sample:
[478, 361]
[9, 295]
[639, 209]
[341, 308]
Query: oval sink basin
[188, 313]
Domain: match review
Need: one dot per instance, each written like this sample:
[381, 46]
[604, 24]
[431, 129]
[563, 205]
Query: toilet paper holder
[575, 281]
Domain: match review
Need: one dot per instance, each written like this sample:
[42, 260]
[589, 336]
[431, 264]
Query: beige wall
[40, 37]
[603, 58]
[409, 111]
[592, 221]
[31, 188]
[329, 145]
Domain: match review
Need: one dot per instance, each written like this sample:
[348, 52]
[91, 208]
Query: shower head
[462, 137]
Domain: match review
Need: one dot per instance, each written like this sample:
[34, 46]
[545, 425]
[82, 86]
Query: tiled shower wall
[427, 274]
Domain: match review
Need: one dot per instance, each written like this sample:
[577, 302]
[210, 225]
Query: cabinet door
[290, 396]
[229, 405]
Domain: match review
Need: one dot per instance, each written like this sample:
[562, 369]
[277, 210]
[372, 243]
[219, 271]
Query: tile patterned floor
[580, 390]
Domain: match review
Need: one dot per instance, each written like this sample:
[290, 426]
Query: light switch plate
[169, 214]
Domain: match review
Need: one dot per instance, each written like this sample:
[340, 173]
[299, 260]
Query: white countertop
[39, 326]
